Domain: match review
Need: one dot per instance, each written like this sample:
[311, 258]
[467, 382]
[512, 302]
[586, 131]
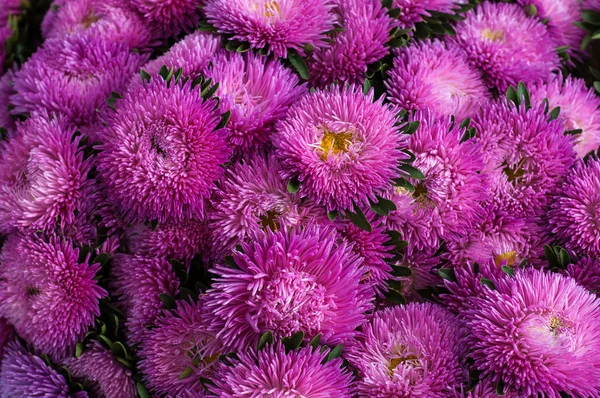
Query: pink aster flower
[171, 16]
[6, 91]
[562, 16]
[43, 176]
[365, 30]
[74, 76]
[573, 215]
[47, 294]
[413, 11]
[105, 18]
[342, 146]
[578, 108]
[289, 281]
[137, 282]
[180, 341]
[273, 372]
[409, 351]
[26, 375]
[276, 25]
[437, 76]
[162, 152]
[447, 203]
[586, 272]
[251, 198]
[506, 45]
[423, 266]
[101, 373]
[538, 333]
[257, 92]
[526, 154]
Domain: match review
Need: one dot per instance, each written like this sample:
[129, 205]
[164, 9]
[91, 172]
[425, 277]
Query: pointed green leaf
[293, 185]
[359, 219]
[447, 274]
[142, 392]
[511, 95]
[266, 338]
[411, 127]
[298, 63]
[335, 352]
[145, 76]
[508, 270]
[187, 372]
[523, 94]
[78, 349]
[332, 215]
[412, 172]
[168, 301]
[554, 113]
[314, 343]
[488, 283]
[395, 297]
[293, 342]
[401, 271]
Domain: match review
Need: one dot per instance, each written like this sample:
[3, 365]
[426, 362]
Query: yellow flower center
[555, 324]
[411, 360]
[420, 193]
[510, 258]
[494, 35]
[334, 143]
[89, 19]
[513, 173]
[272, 9]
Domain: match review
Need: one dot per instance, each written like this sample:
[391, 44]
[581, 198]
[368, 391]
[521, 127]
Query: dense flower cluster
[299, 198]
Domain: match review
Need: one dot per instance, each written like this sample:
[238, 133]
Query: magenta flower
[180, 341]
[273, 372]
[6, 335]
[413, 11]
[162, 151]
[409, 351]
[341, 145]
[573, 215]
[6, 91]
[289, 281]
[251, 198]
[538, 333]
[171, 16]
[586, 272]
[366, 29]
[257, 92]
[43, 176]
[101, 373]
[274, 25]
[47, 294]
[74, 76]
[137, 282]
[506, 45]
[578, 108]
[435, 75]
[423, 266]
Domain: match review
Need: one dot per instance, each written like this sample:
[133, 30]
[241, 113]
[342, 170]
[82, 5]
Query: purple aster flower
[275, 25]
[137, 282]
[365, 30]
[43, 176]
[561, 17]
[192, 54]
[251, 198]
[436, 75]
[573, 215]
[25, 375]
[506, 45]
[413, 11]
[593, 5]
[342, 145]
[74, 76]
[586, 272]
[289, 281]
[162, 152]
[6, 335]
[9, 8]
[5, 33]
[6, 91]
[273, 372]
[538, 333]
[173, 240]
[257, 92]
[171, 16]
[105, 18]
[180, 341]
[47, 294]
[447, 203]
[409, 351]
[423, 266]
[99, 371]
[578, 108]
[526, 154]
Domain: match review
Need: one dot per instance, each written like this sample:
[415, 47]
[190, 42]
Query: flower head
[341, 145]
[47, 294]
[366, 29]
[573, 214]
[6, 334]
[437, 76]
[43, 176]
[586, 272]
[413, 11]
[578, 108]
[257, 92]
[180, 341]
[538, 333]
[275, 25]
[162, 151]
[74, 76]
[251, 198]
[506, 45]
[273, 372]
[409, 351]
[6, 90]
[137, 282]
[423, 274]
[171, 16]
[101, 373]
[289, 281]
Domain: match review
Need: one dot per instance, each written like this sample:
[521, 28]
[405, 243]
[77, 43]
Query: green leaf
[168, 301]
[308, 48]
[412, 172]
[554, 113]
[512, 96]
[78, 350]
[187, 372]
[563, 258]
[465, 123]
[546, 105]
[208, 92]
[294, 341]
[145, 76]
[396, 43]
[395, 297]
[164, 72]
[142, 392]
[523, 94]
[266, 338]
[447, 274]
[531, 10]
[410, 128]
[298, 63]
[293, 185]
[101, 258]
[366, 86]
[488, 283]
[550, 256]
[105, 340]
[387, 3]
[597, 86]
[500, 388]
[401, 271]
[359, 219]
[178, 74]
[119, 350]
[232, 45]
[394, 12]
[314, 343]
[225, 117]
[402, 183]
[335, 352]
[573, 132]
[469, 133]
[590, 17]
[332, 215]
[508, 271]
[242, 48]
